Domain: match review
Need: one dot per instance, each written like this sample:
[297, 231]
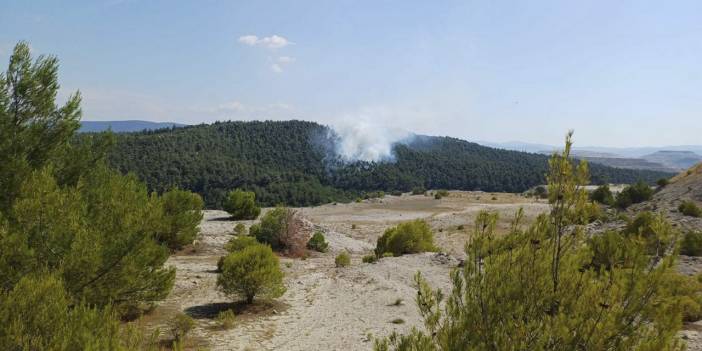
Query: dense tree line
[293, 163]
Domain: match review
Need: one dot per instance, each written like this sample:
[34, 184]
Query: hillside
[677, 160]
[293, 162]
[124, 126]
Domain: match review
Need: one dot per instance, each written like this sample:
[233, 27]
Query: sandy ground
[329, 308]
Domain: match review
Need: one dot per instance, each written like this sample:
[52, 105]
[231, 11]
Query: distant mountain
[631, 152]
[294, 163]
[124, 126]
[664, 158]
[678, 160]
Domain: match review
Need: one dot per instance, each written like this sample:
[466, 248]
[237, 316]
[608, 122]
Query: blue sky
[621, 73]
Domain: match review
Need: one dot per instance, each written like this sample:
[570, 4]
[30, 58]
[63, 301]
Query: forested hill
[291, 162]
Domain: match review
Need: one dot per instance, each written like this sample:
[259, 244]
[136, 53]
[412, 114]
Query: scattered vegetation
[182, 213]
[633, 194]
[370, 258]
[281, 228]
[180, 326]
[558, 289]
[663, 182]
[439, 194]
[240, 229]
[239, 243]
[317, 242]
[406, 238]
[602, 195]
[342, 260]
[689, 208]
[250, 272]
[241, 204]
[226, 319]
[691, 244]
[419, 190]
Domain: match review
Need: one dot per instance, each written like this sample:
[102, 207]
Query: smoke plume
[365, 140]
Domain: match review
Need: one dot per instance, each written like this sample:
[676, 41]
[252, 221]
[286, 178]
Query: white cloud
[280, 62]
[272, 42]
[249, 40]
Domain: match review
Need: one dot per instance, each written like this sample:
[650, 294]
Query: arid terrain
[329, 308]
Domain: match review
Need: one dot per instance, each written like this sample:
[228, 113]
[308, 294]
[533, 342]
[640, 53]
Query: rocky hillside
[683, 187]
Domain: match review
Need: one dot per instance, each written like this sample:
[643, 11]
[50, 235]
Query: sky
[620, 73]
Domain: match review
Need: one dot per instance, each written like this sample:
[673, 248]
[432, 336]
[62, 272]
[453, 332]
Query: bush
[241, 204]
[343, 259]
[370, 258]
[226, 319]
[663, 182]
[406, 238]
[317, 242]
[441, 194]
[253, 271]
[644, 226]
[541, 192]
[602, 195]
[239, 229]
[691, 244]
[396, 193]
[239, 243]
[182, 213]
[689, 208]
[281, 228]
[419, 190]
[633, 194]
[181, 325]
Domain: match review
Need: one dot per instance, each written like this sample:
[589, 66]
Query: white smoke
[365, 139]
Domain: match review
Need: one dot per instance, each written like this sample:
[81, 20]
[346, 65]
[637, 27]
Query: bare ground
[329, 308]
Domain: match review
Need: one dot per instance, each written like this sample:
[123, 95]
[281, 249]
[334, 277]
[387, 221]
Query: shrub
[226, 319]
[181, 325]
[406, 238]
[419, 190]
[370, 258]
[437, 196]
[253, 271]
[644, 226]
[689, 208]
[633, 194]
[182, 213]
[241, 204]
[541, 192]
[663, 182]
[441, 194]
[343, 259]
[239, 229]
[239, 243]
[387, 254]
[691, 244]
[281, 228]
[396, 193]
[317, 242]
[602, 195]
[353, 226]
[460, 227]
